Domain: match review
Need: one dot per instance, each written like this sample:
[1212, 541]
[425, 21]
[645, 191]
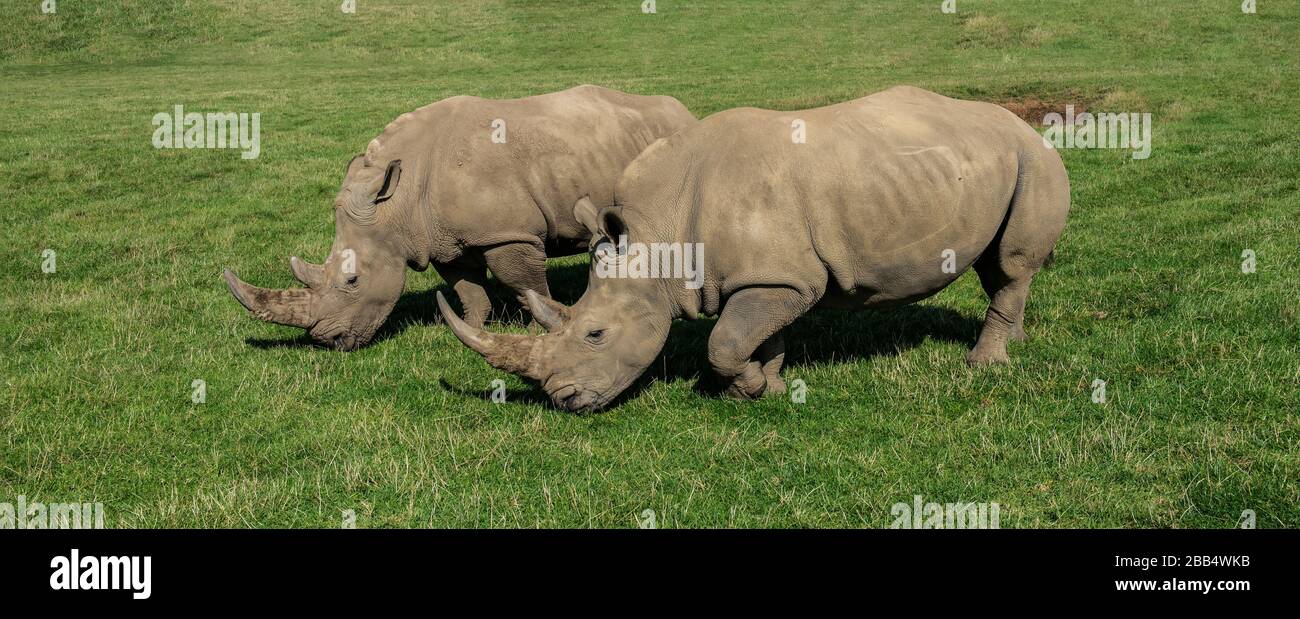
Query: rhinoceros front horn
[285, 307]
[504, 351]
[310, 274]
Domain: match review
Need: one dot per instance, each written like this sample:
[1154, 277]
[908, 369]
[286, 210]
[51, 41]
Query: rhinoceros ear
[391, 176]
[585, 212]
[611, 221]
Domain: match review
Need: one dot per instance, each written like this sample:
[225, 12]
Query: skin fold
[887, 200]
[467, 185]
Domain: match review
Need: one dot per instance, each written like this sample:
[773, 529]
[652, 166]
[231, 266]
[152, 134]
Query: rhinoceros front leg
[746, 348]
[771, 355]
[520, 266]
[469, 282]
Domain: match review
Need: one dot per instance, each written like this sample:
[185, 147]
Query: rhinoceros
[466, 184]
[876, 202]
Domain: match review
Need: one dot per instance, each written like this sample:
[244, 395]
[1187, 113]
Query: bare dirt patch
[1032, 109]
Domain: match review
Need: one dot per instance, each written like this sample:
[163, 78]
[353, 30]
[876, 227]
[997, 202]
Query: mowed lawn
[1201, 361]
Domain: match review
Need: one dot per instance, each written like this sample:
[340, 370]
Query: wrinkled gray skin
[859, 216]
[434, 188]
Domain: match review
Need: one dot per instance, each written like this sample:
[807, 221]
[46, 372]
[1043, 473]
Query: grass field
[1201, 360]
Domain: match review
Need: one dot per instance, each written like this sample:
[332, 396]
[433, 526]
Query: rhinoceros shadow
[823, 337]
[419, 308]
[819, 338]
[532, 395]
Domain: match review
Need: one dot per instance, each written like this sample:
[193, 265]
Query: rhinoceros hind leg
[1006, 311]
[746, 348]
[469, 282]
[1034, 222]
[1006, 270]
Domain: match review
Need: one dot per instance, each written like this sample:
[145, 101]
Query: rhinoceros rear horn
[548, 312]
[285, 307]
[503, 351]
[310, 274]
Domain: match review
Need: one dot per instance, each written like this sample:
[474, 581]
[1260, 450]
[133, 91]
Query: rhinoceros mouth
[572, 398]
[338, 338]
[344, 342]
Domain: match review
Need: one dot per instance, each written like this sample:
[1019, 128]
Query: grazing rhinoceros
[887, 200]
[466, 184]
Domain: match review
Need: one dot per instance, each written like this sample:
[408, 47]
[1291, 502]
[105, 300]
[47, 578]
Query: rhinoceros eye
[352, 281]
[595, 335]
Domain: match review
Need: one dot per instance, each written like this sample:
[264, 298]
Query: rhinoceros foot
[1018, 333]
[979, 358]
[750, 384]
[775, 386]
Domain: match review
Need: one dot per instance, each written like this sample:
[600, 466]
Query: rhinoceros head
[348, 297]
[592, 350]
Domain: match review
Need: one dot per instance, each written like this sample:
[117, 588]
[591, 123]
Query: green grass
[1202, 362]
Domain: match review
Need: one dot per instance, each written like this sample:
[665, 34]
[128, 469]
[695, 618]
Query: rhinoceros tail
[1051, 257]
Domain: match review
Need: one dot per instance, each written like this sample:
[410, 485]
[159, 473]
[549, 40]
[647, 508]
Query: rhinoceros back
[500, 171]
[861, 201]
